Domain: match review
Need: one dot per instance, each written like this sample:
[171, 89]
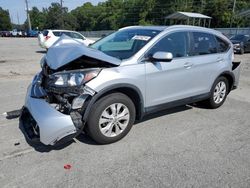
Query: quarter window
[203, 43]
[222, 45]
[76, 36]
[57, 33]
[176, 43]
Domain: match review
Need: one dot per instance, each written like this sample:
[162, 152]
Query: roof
[186, 15]
[159, 28]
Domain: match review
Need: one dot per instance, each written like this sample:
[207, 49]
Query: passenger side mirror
[162, 56]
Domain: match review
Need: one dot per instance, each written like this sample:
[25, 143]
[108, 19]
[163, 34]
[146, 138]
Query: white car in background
[48, 37]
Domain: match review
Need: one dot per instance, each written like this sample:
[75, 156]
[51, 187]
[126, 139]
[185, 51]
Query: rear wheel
[219, 93]
[242, 50]
[111, 118]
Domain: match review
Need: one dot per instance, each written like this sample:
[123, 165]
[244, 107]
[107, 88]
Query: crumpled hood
[66, 49]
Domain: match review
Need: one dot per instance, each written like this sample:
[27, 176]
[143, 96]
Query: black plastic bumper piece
[29, 126]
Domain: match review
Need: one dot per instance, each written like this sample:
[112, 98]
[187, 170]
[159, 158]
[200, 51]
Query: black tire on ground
[210, 103]
[95, 114]
[242, 51]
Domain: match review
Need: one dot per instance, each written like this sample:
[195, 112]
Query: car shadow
[41, 51]
[201, 105]
[84, 138]
[164, 113]
[40, 147]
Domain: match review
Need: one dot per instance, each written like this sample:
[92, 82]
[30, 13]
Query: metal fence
[96, 34]
[234, 31]
[227, 31]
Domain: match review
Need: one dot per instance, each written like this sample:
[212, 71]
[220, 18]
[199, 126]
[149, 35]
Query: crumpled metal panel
[66, 49]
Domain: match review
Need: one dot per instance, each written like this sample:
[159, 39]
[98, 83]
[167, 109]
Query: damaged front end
[56, 100]
[54, 112]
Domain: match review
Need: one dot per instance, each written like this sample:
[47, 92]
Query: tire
[221, 84]
[242, 51]
[104, 125]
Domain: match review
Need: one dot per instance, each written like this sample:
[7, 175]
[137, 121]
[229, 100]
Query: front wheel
[111, 118]
[219, 93]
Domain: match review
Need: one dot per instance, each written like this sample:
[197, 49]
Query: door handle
[188, 65]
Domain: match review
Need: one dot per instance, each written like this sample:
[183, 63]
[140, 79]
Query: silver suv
[102, 89]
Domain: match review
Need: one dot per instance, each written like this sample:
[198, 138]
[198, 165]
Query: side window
[67, 33]
[45, 32]
[176, 43]
[203, 43]
[76, 36]
[57, 33]
[222, 45]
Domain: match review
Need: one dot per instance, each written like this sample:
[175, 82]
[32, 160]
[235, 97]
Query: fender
[110, 89]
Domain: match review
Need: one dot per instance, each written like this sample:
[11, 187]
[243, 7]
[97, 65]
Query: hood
[66, 49]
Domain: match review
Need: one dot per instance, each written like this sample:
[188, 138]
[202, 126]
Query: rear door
[207, 60]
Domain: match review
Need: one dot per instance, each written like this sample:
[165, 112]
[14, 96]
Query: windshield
[238, 37]
[125, 43]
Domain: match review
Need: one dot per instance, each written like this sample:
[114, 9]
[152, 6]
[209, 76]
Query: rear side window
[57, 33]
[76, 36]
[45, 33]
[222, 45]
[176, 43]
[203, 43]
[67, 33]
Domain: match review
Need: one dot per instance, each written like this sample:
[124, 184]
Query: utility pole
[62, 21]
[232, 17]
[28, 15]
[18, 19]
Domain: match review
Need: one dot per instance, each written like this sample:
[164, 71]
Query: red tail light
[47, 37]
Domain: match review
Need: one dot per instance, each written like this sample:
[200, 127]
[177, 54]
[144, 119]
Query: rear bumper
[236, 67]
[42, 122]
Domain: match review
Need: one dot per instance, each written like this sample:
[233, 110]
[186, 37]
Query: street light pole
[232, 17]
[28, 15]
[62, 21]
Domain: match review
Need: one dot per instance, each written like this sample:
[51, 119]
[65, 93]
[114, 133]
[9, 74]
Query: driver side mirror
[162, 56]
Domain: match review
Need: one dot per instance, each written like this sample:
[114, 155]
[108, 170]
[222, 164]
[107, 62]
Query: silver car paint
[158, 82]
[53, 125]
[159, 77]
[66, 49]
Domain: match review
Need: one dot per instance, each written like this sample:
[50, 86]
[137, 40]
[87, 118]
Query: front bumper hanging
[42, 122]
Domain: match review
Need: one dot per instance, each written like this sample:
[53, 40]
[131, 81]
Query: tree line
[114, 14]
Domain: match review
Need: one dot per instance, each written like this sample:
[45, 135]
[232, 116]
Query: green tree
[37, 19]
[85, 17]
[5, 23]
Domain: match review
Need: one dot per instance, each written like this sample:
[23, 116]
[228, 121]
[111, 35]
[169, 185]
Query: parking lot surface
[186, 146]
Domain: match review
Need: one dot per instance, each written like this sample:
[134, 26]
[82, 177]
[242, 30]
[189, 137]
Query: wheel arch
[230, 77]
[130, 90]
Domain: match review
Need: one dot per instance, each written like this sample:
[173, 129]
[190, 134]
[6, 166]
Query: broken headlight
[73, 78]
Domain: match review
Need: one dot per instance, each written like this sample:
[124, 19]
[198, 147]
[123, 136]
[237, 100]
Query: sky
[17, 7]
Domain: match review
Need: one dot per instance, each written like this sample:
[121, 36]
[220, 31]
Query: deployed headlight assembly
[73, 78]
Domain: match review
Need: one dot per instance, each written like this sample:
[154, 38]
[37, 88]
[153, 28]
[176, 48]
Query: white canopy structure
[189, 18]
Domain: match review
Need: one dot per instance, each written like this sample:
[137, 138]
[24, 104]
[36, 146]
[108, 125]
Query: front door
[169, 81]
